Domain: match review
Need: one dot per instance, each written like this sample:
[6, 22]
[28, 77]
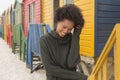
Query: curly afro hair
[70, 12]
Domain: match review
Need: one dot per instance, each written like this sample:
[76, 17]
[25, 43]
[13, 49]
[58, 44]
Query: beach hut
[18, 12]
[17, 21]
[12, 17]
[31, 13]
[33, 54]
[9, 35]
[3, 22]
[100, 17]
[5, 27]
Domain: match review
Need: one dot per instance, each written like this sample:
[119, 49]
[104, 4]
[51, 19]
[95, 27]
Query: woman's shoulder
[46, 36]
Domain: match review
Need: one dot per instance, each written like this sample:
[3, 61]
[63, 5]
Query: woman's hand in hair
[77, 31]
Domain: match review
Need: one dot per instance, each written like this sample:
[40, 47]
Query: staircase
[107, 68]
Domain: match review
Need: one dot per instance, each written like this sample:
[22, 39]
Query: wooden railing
[100, 70]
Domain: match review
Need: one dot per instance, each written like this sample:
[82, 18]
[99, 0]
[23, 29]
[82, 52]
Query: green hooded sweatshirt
[60, 56]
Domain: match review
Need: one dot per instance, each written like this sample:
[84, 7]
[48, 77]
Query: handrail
[114, 40]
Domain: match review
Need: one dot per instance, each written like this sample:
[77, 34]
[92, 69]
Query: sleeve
[54, 70]
[74, 55]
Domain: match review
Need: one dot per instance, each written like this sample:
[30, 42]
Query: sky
[5, 4]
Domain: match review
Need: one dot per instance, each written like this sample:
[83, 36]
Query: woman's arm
[74, 55]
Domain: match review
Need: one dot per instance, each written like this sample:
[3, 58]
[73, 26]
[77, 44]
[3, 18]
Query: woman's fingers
[78, 27]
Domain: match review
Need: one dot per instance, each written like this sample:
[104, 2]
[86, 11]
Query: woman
[60, 48]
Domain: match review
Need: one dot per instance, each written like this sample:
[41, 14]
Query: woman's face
[64, 27]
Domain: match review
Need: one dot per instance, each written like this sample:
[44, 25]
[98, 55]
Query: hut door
[28, 17]
[33, 12]
[55, 6]
[68, 1]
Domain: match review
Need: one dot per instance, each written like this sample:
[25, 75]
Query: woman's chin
[61, 35]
